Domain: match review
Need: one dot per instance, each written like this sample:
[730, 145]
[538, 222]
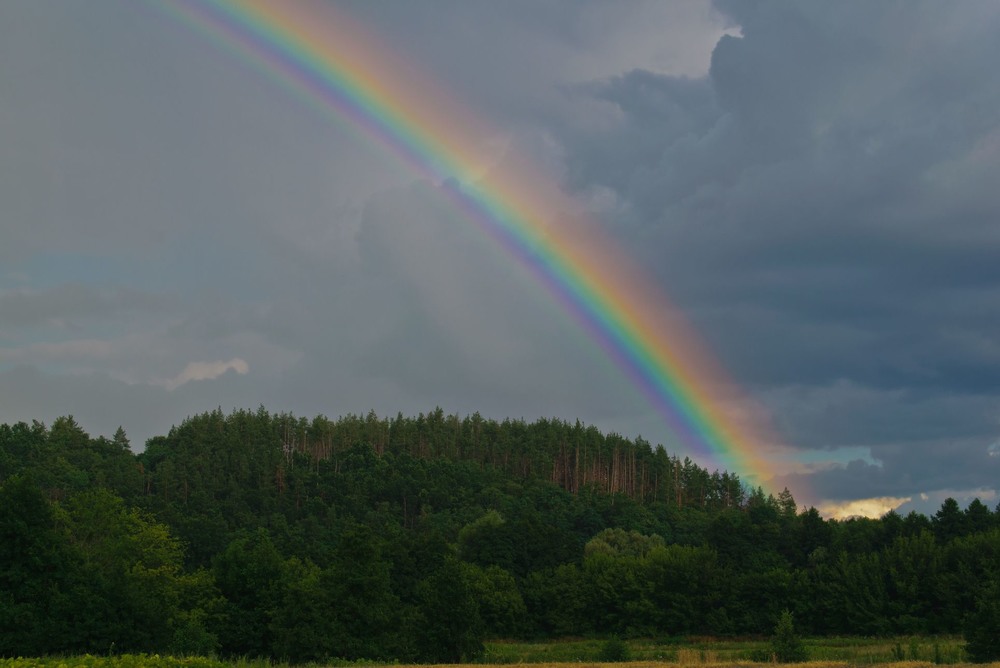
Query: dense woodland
[415, 538]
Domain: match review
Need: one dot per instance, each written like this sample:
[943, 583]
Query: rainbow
[340, 66]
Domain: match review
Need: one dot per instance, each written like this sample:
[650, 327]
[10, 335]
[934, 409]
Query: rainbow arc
[323, 54]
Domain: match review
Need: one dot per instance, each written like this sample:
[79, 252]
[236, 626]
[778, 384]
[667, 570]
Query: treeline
[412, 539]
[572, 456]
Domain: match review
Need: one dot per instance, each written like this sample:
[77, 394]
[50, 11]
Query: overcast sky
[813, 183]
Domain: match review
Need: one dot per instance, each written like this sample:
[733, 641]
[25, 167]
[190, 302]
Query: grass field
[133, 661]
[905, 652]
[145, 661]
[707, 651]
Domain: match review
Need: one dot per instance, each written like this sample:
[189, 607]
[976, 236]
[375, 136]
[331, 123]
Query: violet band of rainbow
[320, 53]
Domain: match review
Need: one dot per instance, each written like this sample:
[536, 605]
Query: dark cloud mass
[821, 205]
[812, 182]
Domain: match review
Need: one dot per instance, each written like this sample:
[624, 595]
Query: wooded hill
[414, 538]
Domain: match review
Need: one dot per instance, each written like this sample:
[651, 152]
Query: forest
[417, 538]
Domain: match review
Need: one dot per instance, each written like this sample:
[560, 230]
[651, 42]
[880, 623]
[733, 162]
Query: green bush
[982, 628]
[614, 650]
[787, 646]
[760, 655]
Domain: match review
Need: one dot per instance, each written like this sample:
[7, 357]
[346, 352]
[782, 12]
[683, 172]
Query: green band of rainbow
[340, 66]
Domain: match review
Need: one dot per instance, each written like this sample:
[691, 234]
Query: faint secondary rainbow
[342, 67]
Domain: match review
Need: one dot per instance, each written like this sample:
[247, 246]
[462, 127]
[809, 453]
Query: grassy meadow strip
[135, 661]
[902, 652]
[731, 664]
[157, 661]
[694, 651]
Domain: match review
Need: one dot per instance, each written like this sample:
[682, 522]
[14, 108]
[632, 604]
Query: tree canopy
[414, 538]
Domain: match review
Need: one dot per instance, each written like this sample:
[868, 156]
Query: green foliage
[39, 571]
[487, 541]
[617, 542]
[449, 629]
[558, 601]
[132, 566]
[501, 606]
[192, 637]
[361, 607]
[982, 627]
[786, 644]
[412, 539]
[619, 599]
[614, 650]
[247, 574]
[949, 522]
[300, 621]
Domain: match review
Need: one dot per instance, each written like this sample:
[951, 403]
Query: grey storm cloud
[100, 403]
[821, 206]
[813, 183]
[897, 471]
[517, 55]
[27, 307]
[445, 313]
